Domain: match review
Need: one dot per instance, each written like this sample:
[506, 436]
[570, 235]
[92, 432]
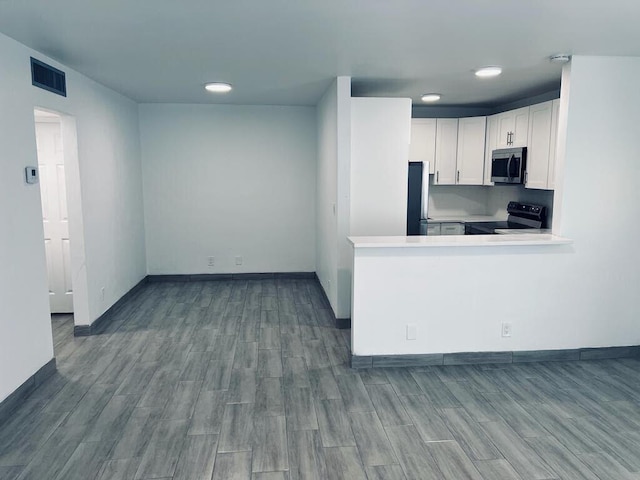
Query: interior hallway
[249, 380]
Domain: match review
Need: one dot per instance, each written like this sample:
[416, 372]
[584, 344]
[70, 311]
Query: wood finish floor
[249, 380]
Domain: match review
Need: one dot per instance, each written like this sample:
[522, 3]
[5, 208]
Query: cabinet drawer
[433, 229]
[452, 229]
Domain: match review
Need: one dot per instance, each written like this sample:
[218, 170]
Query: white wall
[333, 251]
[583, 295]
[327, 194]
[109, 168]
[380, 133]
[345, 254]
[227, 181]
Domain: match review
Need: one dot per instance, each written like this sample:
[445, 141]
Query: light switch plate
[31, 174]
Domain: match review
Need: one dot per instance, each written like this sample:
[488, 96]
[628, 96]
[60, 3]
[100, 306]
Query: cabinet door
[491, 145]
[423, 141]
[470, 156]
[452, 229]
[506, 124]
[521, 127]
[446, 151]
[539, 145]
[513, 128]
[551, 178]
[433, 228]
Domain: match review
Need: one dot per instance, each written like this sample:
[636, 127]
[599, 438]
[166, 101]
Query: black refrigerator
[417, 196]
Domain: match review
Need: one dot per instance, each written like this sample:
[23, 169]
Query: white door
[54, 213]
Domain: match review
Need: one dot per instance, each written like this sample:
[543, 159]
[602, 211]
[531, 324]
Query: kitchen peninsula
[418, 298]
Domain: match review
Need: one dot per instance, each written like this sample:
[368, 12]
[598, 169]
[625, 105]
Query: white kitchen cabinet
[541, 150]
[554, 144]
[445, 228]
[471, 151]
[452, 228]
[513, 128]
[491, 143]
[423, 142]
[460, 151]
[446, 151]
[539, 145]
[433, 228]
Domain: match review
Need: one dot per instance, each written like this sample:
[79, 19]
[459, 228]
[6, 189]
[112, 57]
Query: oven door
[506, 168]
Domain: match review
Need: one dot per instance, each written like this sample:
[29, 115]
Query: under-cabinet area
[452, 209]
[459, 150]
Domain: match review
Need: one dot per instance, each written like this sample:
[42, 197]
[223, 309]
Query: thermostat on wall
[31, 174]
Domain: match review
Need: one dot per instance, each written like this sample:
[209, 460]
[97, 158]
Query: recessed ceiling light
[492, 71]
[218, 87]
[431, 97]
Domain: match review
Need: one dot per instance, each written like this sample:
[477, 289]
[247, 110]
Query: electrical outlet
[412, 331]
[506, 329]
[211, 261]
[238, 260]
[102, 294]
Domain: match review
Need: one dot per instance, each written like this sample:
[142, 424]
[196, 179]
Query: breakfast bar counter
[422, 241]
[434, 295]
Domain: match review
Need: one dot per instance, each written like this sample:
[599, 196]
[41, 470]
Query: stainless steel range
[522, 217]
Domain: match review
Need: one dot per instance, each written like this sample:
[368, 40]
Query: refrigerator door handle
[425, 190]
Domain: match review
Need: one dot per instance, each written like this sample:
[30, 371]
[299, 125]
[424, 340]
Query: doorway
[55, 211]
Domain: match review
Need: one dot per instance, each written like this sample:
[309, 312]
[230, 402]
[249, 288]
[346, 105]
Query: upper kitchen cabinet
[423, 142]
[491, 143]
[513, 128]
[460, 150]
[471, 150]
[446, 151]
[541, 146]
[551, 179]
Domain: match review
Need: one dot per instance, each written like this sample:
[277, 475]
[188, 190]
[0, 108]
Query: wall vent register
[48, 78]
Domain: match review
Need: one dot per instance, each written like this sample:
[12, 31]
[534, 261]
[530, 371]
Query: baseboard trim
[340, 323]
[343, 323]
[102, 320]
[477, 358]
[19, 395]
[200, 277]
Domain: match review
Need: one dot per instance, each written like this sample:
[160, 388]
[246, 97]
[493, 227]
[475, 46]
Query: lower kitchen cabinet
[445, 228]
[452, 228]
[433, 228]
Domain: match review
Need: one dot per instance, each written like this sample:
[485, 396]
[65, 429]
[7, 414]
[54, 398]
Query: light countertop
[422, 241]
[465, 218]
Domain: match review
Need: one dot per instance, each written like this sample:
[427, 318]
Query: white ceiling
[285, 52]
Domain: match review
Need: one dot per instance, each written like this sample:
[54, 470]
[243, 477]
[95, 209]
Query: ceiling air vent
[47, 77]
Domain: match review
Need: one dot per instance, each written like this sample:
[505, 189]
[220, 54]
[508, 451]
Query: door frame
[79, 284]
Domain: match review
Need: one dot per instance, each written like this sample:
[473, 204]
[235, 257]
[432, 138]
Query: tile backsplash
[446, 200]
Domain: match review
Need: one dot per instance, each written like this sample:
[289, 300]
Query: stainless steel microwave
[508, 165]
